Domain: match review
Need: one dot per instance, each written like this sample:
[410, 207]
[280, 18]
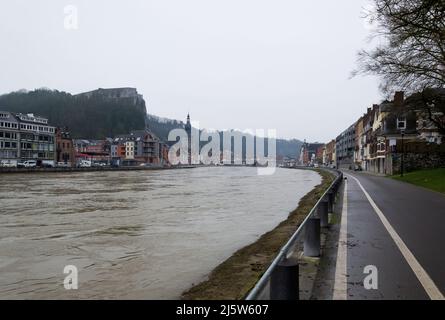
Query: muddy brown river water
[134, 234]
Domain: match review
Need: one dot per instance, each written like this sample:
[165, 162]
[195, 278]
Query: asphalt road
[398, 228]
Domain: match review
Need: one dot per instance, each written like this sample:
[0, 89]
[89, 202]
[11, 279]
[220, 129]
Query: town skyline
[180, 118]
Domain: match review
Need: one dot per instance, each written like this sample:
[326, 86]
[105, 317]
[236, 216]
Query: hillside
[96, 115]
[161, 126]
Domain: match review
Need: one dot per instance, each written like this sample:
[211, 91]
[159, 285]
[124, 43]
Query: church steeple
[188, 129]
[188, 125]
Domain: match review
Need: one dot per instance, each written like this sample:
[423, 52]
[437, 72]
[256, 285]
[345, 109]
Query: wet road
[135, 234]
[399, 229]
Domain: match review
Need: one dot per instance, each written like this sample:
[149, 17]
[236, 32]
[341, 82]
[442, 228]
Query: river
[134, 234]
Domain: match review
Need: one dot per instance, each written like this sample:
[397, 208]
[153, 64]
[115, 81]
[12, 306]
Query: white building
[129, 150]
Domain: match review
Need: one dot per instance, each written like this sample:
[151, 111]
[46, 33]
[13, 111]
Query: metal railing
[282, 275]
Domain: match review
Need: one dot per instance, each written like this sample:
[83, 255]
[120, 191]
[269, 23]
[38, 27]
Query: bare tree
[412, 55]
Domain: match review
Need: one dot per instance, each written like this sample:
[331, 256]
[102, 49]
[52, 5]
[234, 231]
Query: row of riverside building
[379, 140]
[29, 137]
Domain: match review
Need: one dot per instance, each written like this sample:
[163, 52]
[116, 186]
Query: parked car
[99, 164]
[84, 164]
[8, 164]
[47, 164]
[145, 164]
[27, 164]
[63, 164]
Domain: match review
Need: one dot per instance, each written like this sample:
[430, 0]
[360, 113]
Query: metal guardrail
[282, 274]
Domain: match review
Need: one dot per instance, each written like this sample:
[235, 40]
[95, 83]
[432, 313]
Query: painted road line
[341, 284]
[423, 277]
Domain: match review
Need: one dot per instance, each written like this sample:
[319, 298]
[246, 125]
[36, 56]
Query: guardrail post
[323, 213]
[284, 281]
[312, 238]
[331, 199]
[337, 186]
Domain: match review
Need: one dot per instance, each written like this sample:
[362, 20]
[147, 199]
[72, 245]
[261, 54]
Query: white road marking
[423, 277]
[341, 284]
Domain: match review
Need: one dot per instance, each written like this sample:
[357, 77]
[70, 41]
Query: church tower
[188, 129]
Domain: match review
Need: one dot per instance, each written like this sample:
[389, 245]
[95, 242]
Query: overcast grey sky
[275, 64]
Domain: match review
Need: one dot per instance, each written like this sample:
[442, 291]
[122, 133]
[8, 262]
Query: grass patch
[433, 179]
[235, 277]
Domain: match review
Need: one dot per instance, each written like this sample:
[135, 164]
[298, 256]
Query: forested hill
[103, 113]
[94, 115]
[162, 126]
